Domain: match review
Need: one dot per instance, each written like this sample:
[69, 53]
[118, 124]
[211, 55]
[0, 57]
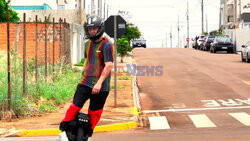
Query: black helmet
[94, 21]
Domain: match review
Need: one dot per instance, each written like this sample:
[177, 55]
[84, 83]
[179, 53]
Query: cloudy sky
[154, 18]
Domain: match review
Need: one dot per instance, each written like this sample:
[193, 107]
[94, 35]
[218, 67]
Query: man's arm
[108, 67]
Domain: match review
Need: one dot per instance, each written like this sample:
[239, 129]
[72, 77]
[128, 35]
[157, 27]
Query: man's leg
[95, 110]
[82, 94]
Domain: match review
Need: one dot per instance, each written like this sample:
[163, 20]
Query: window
[224, 39]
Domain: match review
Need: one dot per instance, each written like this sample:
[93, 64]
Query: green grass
[118, 87]
[81, 63]
[125, 77]
[42, 96]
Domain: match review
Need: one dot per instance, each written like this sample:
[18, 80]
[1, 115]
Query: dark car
[139, 43]
[221, 44]
[207, 42]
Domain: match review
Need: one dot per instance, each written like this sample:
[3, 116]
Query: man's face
[92, 30]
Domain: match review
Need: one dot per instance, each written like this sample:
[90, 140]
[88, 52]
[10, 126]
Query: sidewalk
[123, 117]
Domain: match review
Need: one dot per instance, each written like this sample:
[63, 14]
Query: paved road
[198, 92]
[199, 96]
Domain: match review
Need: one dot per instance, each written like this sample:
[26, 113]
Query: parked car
[207, 42]
[221, 44]
[196, 42]
[245, 54]
[139, 43]
[200, 40]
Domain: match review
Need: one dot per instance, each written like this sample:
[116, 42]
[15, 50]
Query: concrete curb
[56, 132]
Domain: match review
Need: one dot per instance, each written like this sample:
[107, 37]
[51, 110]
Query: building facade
[45, 4]
[234, 14]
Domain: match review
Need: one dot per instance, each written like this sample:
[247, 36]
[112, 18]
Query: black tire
[214, 51]
[80, 135]
[247, 58]
[242, 59]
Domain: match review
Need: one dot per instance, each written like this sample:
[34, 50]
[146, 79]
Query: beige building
[235, 14]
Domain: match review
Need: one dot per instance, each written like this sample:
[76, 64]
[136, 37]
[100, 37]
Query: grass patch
[43, 96]
[125, 77]
[118, 87]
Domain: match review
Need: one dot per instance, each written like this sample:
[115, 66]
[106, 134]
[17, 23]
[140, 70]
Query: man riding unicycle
[95, 85]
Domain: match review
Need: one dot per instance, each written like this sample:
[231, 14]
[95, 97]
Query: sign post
[115, 27]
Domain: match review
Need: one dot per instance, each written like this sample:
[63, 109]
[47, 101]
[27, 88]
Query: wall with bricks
[62, 48]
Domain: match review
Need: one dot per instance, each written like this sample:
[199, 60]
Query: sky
[154, 18]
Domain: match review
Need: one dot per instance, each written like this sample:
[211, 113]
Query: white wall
[242, 37]
[239, 36]
[243, 3]
[72, 16]
[51, 3]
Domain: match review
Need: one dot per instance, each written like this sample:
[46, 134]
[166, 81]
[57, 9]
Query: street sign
[187, 39]
[120, 24]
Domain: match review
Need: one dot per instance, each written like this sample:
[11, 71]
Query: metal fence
[35, 52]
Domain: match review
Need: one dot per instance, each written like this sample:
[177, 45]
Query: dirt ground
[110, 115]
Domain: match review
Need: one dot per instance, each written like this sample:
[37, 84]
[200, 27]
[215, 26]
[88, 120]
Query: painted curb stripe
[134, 111]
[56, 132]
[201, 121]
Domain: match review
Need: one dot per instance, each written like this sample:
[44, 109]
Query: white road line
[196, 109]
[242, 117]
[201, 121]
[158, 123]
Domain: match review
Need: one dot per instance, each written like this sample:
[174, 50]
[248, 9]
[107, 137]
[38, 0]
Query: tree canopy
[4, 6]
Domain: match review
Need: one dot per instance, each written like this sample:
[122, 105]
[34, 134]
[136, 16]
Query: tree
[246, 6]
[125, 15]
[123, 47]
[123, 43]
[132, 32]
[4, 6]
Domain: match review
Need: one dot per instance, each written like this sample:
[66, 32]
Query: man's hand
[83, 72]
[96, 89]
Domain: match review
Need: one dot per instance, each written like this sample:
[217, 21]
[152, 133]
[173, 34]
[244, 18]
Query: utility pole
[104, 12]
[92, 7]
[100, 8]
[187, 24]
[171, 37]
[178, 45]
[226, 15]
[239, 11]
[80, 11]
[202, 22]
[107, 11]
[206, 24]
[166, 40]
[84, 4]
[220, 16]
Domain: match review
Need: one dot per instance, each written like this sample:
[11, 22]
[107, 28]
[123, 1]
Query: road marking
[242, 117]
[201, 121]
[247, 82]
[195, 109]
[158, 123]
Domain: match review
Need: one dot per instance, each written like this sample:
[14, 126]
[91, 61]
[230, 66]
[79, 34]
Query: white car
[245, 54]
